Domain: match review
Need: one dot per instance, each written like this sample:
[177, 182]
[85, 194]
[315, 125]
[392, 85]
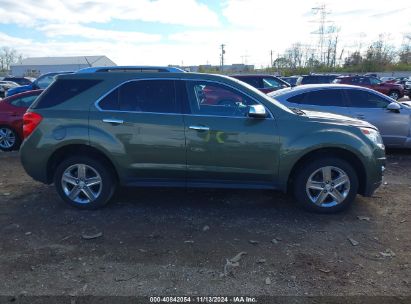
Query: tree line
[378, 56]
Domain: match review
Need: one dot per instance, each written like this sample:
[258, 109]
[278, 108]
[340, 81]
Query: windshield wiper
[297, 111]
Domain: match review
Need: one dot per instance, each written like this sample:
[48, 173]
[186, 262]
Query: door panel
[225, 146]
[393, 126]
[148, 146]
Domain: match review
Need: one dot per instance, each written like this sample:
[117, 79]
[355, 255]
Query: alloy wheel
[81, 183]
[328, 186]
[394, 95]
[7, 138]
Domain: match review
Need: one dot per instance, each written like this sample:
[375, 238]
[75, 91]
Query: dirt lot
[177, 242]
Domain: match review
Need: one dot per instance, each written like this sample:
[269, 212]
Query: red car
[11, 118]
[393, 90]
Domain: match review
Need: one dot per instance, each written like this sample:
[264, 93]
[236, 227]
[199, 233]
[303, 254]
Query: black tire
[108, 182]
[17, 140]
[314, 165]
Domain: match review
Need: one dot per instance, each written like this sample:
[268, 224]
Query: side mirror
[394, 107]
[257, 111]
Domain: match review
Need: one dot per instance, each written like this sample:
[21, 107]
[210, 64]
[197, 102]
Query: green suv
[89, 133]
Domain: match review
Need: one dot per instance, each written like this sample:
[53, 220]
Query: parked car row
[395, 88]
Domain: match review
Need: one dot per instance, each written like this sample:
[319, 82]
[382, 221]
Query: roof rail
[141, 69]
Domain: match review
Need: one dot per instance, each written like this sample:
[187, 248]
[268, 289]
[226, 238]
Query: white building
[37, 66]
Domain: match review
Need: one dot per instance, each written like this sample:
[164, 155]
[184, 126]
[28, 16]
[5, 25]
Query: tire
[335, 198]
[394, 95]
[9, 140]
[95, 187]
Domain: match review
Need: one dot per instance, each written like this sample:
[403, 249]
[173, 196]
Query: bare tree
[8, 56]
[380, 53]
[405, 50]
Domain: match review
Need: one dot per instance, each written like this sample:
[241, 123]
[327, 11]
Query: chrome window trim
[96, 103]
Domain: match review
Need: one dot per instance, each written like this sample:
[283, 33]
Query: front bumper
[376, 177]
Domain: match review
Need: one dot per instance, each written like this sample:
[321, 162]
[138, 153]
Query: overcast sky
[189, 32]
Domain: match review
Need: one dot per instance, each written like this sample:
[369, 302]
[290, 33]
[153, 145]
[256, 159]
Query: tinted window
[253, 81]
[297, 98]
[45, 81]
[331, 98]
[270, 83]
[363, 99]
[318, 79]
[111, 101]
[214, 99]
[375, 81]
[364, 81]
[63, 90]
[24, 101]
[309, 80]
[142, 96]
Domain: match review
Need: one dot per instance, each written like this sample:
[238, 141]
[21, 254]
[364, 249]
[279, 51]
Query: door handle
[199, 128]
[113, 121]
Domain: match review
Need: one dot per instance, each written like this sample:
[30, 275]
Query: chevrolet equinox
[89, 133]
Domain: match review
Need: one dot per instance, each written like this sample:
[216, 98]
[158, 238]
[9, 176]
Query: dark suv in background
[393, 90]
[316, 79]
[91, 132]
[264, 83]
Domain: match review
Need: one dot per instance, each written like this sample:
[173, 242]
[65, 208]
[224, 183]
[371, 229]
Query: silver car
[390, 117]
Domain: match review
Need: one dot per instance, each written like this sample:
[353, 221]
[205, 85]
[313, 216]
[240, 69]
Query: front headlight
[374, 136]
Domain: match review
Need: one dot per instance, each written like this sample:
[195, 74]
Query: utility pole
[271, 56]
[222, 56]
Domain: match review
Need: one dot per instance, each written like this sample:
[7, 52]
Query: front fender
[295, 148]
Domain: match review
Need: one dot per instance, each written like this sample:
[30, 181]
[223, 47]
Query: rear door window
[155, 96]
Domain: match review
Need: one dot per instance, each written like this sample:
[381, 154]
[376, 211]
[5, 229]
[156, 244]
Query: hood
[337, 119]
[393, 85]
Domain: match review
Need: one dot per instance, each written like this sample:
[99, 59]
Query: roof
[253, 75]
[75, 60]
[136, 68]
[287, 92]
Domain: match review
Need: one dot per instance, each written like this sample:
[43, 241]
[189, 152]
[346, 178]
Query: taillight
[30, 122]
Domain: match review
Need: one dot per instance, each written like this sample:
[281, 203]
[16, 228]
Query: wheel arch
[78, 149]
[344, 154]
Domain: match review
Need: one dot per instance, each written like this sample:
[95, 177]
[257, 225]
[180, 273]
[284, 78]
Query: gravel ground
[180, 242]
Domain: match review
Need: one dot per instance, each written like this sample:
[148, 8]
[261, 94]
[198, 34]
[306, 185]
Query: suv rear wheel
[84, 182]
[326, 185]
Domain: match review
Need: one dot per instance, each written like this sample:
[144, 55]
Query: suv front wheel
[326, 185]
[84, 182]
